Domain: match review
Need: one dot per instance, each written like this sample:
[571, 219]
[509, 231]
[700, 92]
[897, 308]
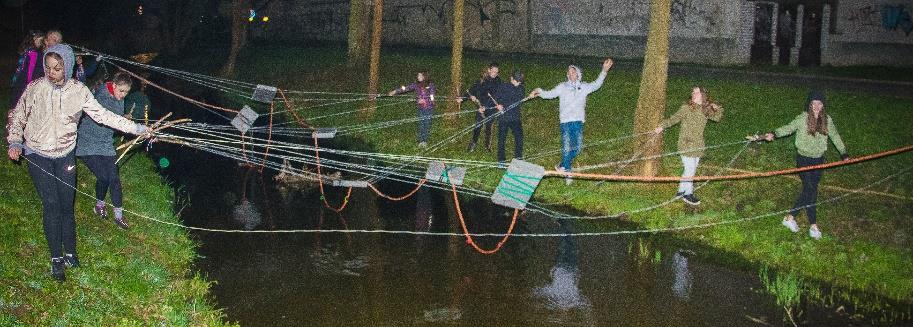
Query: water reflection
[563, 293]
[681, 286]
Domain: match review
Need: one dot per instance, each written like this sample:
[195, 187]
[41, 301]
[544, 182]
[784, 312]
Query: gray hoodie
[44, 120]
[572, 96]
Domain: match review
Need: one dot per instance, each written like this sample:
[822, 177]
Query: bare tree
[237, 14]
[651, 103]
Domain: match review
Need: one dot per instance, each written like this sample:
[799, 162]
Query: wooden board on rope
[245, 119]
[350, 183]
[324, 133]
[440, 172]
[264, 93]
[518, 184]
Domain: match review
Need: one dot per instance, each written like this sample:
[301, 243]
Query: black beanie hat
[815, 95]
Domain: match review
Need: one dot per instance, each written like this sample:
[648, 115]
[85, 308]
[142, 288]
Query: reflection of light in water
[682, 284]
[246, 214]
[563, 293]
[443, 314]
[329, 262]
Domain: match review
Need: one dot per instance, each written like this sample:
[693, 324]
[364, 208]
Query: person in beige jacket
[43, 126]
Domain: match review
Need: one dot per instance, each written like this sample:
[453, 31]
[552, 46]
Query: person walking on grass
[510, 100]
[693, 117]
[43, 125]
[813, 127]
[424, 99]
[571, 110]
[95, 147]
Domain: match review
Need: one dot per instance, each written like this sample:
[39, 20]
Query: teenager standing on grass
[813, 127]
[29, 67]
[95, 147]
[510, 101]
[424, 100]
[481, 93]
[571, 96]
[693, 116]
[43, 125]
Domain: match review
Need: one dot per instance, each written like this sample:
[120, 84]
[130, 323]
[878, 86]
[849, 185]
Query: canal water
[402, 280]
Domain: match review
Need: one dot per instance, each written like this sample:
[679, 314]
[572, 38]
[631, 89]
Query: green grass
[140, 277]
[867, 245]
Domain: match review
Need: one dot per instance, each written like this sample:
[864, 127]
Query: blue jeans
[424, 124]
[571, 142]
[809, 195]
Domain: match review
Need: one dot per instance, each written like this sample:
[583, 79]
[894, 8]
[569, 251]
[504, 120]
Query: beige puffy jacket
[46, 117]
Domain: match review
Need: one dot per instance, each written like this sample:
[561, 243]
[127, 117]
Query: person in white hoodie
[571, 96]
[43, 125]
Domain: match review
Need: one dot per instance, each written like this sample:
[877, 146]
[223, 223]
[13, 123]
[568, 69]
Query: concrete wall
[869, 32]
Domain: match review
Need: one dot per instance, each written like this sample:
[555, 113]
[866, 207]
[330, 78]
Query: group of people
[47, 127]
[813, 127]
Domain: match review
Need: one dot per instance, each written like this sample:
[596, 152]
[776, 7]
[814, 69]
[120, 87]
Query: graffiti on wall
[438, 12]
[896, 18]
[627, 17]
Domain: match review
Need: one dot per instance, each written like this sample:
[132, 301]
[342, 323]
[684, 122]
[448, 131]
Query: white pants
[690, 168]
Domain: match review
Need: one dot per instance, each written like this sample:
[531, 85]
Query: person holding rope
[813, 127]
[43, 125]
[510, 95]
[571, 110]
[424, 99]
[481, 94]
[94, 146]
[693, 116]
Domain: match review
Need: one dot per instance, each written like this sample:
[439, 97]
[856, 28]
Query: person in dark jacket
[813, 127]
[481, 93]
[510, 99]
[30, 67]
[94, 146]
[83, 70]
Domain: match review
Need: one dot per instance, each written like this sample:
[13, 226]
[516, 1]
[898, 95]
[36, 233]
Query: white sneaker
[422, 145]
[791, 224]
[814, 233]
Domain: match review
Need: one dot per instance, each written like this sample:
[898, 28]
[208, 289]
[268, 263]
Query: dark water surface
[367, 279]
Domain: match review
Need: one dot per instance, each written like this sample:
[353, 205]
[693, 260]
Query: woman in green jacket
[693, 116]
[812, 128]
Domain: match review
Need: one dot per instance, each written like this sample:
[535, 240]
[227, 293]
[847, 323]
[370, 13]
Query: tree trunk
[238, 17]
[651, 103]
[376, 37]
[456, 55]
[357, 33]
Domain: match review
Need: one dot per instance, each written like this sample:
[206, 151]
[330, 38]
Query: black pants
[478, 127]
[107, 176]
[517, 128]
[809, 194]
[56, 200]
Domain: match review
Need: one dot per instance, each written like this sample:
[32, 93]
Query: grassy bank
[867, 245]
[140, 277]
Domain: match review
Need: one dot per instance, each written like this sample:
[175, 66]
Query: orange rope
[292, 110]
[417, 186]
[323, 196]
[628, 178]
[469, 239]
[200, 103]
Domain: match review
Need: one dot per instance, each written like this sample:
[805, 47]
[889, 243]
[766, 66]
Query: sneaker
[121, 223]
[472, 147]
[815, 233]
[790, 223]
[71, 260]
[679, 195]
[100, 211]
[691, 199]
[422, 144]
[58, 269]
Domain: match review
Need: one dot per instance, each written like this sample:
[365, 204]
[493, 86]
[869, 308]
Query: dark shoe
[101, 212]
[472, 147]
[679, 195]
[488, 147]
[58, 269]
[122, 224]
[71, 260]
[691, 199]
